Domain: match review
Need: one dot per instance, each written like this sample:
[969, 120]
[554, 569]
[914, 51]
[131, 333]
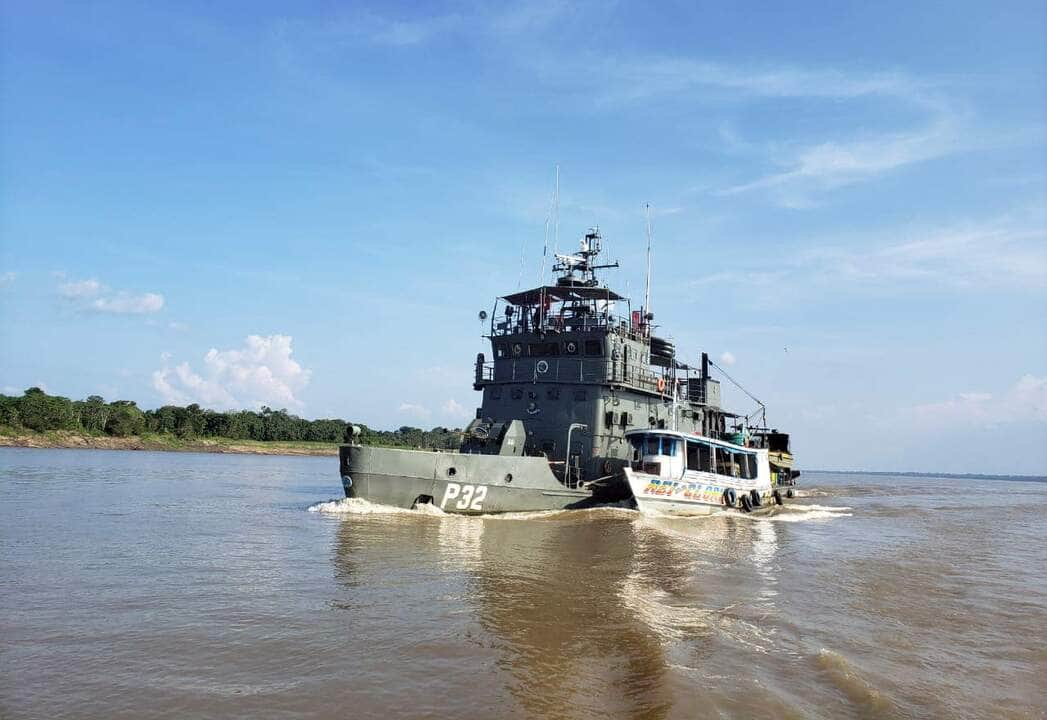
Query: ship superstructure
[575, 353]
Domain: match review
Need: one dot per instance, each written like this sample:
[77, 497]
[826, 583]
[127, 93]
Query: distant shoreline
[59, 439]
[63, 439]
[906, 473]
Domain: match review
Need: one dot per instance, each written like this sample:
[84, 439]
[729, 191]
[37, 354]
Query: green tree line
[36, 410]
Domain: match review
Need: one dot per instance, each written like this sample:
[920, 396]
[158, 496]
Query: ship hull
[655, 495]
[455, 482]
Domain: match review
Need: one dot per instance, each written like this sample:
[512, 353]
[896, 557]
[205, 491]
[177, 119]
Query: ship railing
[525, 323]
[569, 370]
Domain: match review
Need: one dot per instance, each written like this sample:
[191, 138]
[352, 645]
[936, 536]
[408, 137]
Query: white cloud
[7, 278]
[417, 411]
[125, 303]
[94, 296]
[727, 358]
[453, 409]
[1025, 401]
[260, 373]
[80, 289]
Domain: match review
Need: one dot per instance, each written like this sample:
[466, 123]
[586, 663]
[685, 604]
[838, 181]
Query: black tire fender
[729, 497]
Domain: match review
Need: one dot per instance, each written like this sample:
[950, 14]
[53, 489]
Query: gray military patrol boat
[583, 406]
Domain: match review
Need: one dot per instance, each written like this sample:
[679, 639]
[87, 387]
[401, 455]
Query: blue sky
[306, 206]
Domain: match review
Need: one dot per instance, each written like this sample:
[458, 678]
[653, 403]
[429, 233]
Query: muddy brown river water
[163, 585]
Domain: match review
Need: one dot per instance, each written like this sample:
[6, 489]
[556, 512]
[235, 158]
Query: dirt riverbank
[166, 443]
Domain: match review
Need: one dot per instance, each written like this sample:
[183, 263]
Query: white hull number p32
[469, 497]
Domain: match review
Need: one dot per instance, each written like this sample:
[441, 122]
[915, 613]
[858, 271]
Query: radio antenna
[554, 217]
[556, 212]
[647, 290]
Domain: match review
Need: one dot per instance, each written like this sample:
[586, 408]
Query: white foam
[358, 506]
[806, 516]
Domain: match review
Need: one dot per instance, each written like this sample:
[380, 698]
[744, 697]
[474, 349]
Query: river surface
[165, 585]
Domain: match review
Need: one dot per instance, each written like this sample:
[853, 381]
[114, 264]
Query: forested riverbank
[37, 419]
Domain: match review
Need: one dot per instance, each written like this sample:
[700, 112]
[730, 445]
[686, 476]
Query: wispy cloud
[1008, 251]
[404, 30]
[1004, 252]
[260, 373]
[94, 296]
[7, 279]
[632, 79]
[80, 289]
[1025, 401]
[814, 169]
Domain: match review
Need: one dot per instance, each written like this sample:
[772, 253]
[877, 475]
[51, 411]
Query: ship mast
[647, 289]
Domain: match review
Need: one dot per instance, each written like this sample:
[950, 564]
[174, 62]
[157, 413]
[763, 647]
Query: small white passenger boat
[677, 473]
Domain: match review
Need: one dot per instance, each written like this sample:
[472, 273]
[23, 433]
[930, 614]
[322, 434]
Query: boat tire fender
[755, 497]
[789, 493]
[747, 503]
[777, 495]
[729, 497]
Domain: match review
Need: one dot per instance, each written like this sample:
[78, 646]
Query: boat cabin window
[654, 444]
[501, 350]
[748, 461]
[593, 347]
[723, 462]
[699, 457]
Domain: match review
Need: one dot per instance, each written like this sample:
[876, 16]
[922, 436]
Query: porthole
[451, 472]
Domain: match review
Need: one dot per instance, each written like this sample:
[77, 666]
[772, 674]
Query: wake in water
[786, 513]
[359, 506]
[805, 513]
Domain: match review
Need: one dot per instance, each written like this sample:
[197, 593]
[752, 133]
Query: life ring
[755, 498]
[777, 495]
[661, 385]
[729, 497]
[517, 349]
[747, 503]
[542, 367]
[571, 348]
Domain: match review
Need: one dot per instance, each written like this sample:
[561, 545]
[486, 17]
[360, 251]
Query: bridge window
[593, 347]
[543, 349]
[501, 350]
